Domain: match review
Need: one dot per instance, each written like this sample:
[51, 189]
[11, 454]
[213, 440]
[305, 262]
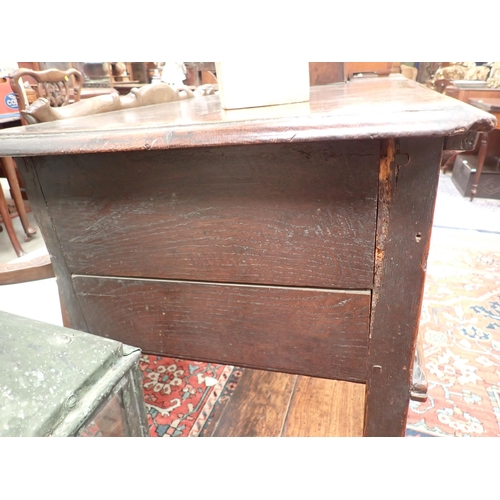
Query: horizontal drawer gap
[156, 280]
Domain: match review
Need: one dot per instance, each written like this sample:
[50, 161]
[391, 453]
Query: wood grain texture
[408, 186]
[258, 407]
[325, 408]
[71, 311]
[301, 215]
[305, 331]
[267, 404]
[373, 108]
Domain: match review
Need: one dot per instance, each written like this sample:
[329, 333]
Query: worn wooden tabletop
[362, 109]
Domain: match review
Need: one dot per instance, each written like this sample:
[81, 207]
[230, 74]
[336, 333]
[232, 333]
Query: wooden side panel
[409, 177]
[313, 332]
[325, 408]
[298, 214]
[71, 312]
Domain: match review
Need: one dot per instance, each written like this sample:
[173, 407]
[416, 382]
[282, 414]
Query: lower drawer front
[315, 332]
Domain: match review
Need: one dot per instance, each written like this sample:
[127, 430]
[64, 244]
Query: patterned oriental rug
[460, 329]
[181, 395]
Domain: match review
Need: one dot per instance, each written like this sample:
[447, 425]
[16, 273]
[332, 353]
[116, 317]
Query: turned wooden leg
[480, 162]
[10, 170]
[4, 212]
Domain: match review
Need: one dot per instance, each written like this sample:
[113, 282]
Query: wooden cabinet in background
[477, 173]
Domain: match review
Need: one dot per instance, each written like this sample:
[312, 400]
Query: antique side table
[288, 238]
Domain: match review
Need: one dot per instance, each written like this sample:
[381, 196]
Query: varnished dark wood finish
[241, 175]
[258, 407]
[409, 168]
[71, 311]
[317, 332]
[282, 215]
[375, 108]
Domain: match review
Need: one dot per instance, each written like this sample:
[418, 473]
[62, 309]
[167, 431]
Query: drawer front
[312, 332]
[284, 214]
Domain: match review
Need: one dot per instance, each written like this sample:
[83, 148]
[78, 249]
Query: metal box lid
[45, 370]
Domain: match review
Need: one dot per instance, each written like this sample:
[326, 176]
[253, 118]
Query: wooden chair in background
[15, 190]
[60, 88]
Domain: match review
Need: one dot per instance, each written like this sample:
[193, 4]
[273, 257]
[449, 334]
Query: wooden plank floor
[267, 404]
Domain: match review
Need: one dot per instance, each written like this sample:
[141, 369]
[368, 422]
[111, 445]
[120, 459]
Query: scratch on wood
[385, 188]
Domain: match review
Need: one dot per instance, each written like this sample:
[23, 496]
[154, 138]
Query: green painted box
[55, 381]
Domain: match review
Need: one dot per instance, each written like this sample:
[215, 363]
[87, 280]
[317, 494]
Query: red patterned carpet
[460, 327]
[181, 395]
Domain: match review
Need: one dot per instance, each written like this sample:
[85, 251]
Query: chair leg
[481, 155]
[4, 212]
[10, 171]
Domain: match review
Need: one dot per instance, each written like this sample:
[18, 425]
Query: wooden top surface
[361, 109]
[492, 105]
